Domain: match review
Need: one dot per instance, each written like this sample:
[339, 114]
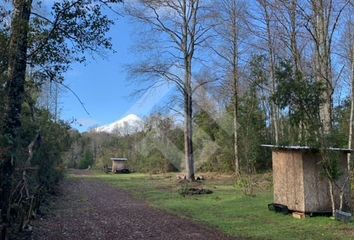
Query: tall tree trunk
[234, 37]
[14, 99]
[323, 59]
[293, 38]
[235, 123]
[188, 121]
[331, 194]
[292, 10]
[180, 25]
[230, 17]
[274, 108]
[350, 137]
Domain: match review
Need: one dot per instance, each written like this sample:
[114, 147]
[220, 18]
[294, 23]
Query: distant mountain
[127, 125]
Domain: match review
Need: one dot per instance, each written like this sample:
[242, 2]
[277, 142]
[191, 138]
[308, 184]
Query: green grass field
[228, 209]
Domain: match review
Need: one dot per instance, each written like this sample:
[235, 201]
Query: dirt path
[89, 209]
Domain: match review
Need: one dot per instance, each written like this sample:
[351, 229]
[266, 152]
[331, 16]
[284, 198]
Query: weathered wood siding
[288, 179]
[299, 182]
[317, 196]
[118, 165]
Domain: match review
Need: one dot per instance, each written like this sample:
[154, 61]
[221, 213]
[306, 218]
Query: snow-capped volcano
[127, 125]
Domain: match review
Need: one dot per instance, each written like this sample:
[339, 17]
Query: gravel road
[90, 209]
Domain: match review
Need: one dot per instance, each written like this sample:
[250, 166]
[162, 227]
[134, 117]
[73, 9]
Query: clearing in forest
[92, 209]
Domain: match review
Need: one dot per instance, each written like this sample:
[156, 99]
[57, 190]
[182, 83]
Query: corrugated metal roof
[305, 148]
[119, 159]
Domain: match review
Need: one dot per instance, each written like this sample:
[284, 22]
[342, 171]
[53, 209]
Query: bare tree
[231, 33]
[286, 14]
[350, 50]
[178, 28]
[268, 18]
[49, 98]
[322, 20]
[293, 36]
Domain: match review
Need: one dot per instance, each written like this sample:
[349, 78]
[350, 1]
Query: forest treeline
[158, 146]
[244, 73]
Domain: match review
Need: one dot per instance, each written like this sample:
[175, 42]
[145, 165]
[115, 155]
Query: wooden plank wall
[317, 197]
[299, 182]
[288, 179]
[117, 165]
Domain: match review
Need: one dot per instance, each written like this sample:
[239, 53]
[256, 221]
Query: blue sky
[103, 85]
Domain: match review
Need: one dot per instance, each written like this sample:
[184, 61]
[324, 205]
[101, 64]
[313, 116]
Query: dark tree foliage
[253, 133]
[206, 124]
[301, 98]
[48, 45]
[13, 99]
[39, 160]
[74, 28]
[3, 65]
[3, 60]
[87, 160]
[340, 130]
[208, 134]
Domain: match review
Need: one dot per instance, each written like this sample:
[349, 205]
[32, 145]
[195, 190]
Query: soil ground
[91, 209]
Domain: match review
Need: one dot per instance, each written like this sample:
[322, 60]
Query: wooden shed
[118, 164]
[299, 182]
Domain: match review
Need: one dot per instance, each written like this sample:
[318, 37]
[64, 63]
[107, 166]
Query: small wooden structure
[118, 164]
[299, 182]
